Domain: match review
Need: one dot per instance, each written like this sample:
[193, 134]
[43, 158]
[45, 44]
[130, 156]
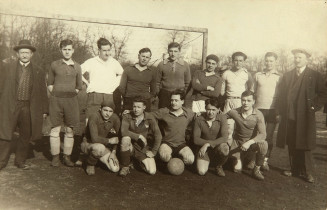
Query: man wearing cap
[302, 94]
[24, 104]
[173, 73]
[235, 82]
[206, 84]
[101, 138]
[266, 90]
[64, 83]
[104, 77]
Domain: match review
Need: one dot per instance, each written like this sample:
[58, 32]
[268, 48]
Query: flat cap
[301, 51]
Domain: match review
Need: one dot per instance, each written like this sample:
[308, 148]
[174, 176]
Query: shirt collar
[203, 118]
[184, 112]
[70, 62]
[102, 61]
[301, 69]
[208, 74]
[147, 68]
[274, 71]
[239, 110]
[179, 61]
[24, 64]
[242, 69]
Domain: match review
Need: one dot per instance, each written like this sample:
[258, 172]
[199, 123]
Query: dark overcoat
[311, 96]
[8, 99]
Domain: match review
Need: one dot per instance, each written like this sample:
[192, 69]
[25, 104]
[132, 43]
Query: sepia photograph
[163, 104]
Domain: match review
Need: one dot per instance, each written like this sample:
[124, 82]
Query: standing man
[206, 84]
[141, 138]
[101, 139]
[210, 134]
[24, 103]
[235, 82]
[249, 135]
[175, 121]
[139, 81]
[303, 92]
[64, 83]
[266, 90]
[104, 73]
[172, 74]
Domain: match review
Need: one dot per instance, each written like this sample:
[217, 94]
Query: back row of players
[222, 127]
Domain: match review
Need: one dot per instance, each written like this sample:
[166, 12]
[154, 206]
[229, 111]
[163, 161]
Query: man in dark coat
[23, 103]
[302, 94]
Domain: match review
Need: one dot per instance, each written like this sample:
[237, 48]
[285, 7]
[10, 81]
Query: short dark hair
[174, 45]
[239, 54]
[145, 50]
[212, 57]
[179, 92]
[213, 102]
[108, 104]
[66, 42]
[271, 54]
[103, 42]
[248, 93]
[139, 99]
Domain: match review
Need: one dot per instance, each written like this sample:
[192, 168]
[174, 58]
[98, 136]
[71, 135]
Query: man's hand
[210, 88]
[113, 140]
[246, 145]
[114, 159]
[143, 139]
[45, 116]
[126, 112]
[278, 118]
[50, 88]
[203, 150]
[149, 154]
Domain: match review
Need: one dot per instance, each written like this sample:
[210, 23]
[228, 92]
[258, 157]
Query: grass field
[45, 187]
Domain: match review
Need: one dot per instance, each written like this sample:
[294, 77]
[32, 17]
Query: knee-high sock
[68, 145]
[125, 158]
[55, 145]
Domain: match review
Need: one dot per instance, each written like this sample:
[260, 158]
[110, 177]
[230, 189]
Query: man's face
[211, 65]
[106, 112]
[174, 53]
[176, 102]
[238, 62]
[247, 102]
[104, 52]
[270, 63]
[211, 111]
[24, 55]
[67, 52]
[138, 108]
[144, 58]
[300, 60]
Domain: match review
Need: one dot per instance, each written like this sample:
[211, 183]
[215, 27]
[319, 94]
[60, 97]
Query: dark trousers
[301, 161]
[22, 120]
[164, 98]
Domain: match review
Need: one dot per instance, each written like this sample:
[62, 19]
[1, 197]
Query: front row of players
[142, 139]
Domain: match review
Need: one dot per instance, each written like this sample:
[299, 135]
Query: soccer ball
[175, 166]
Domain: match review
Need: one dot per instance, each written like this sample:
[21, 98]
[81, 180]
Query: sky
[251, 26]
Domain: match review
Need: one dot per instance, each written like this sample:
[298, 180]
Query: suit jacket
[300, 102]
[8, 99]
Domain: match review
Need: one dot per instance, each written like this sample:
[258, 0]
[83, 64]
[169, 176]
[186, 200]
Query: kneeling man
[175, 121]
[249, 134]
[210, 134]
[141, 138]
[102, 139]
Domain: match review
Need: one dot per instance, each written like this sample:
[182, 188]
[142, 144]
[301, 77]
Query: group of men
[232, 116]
